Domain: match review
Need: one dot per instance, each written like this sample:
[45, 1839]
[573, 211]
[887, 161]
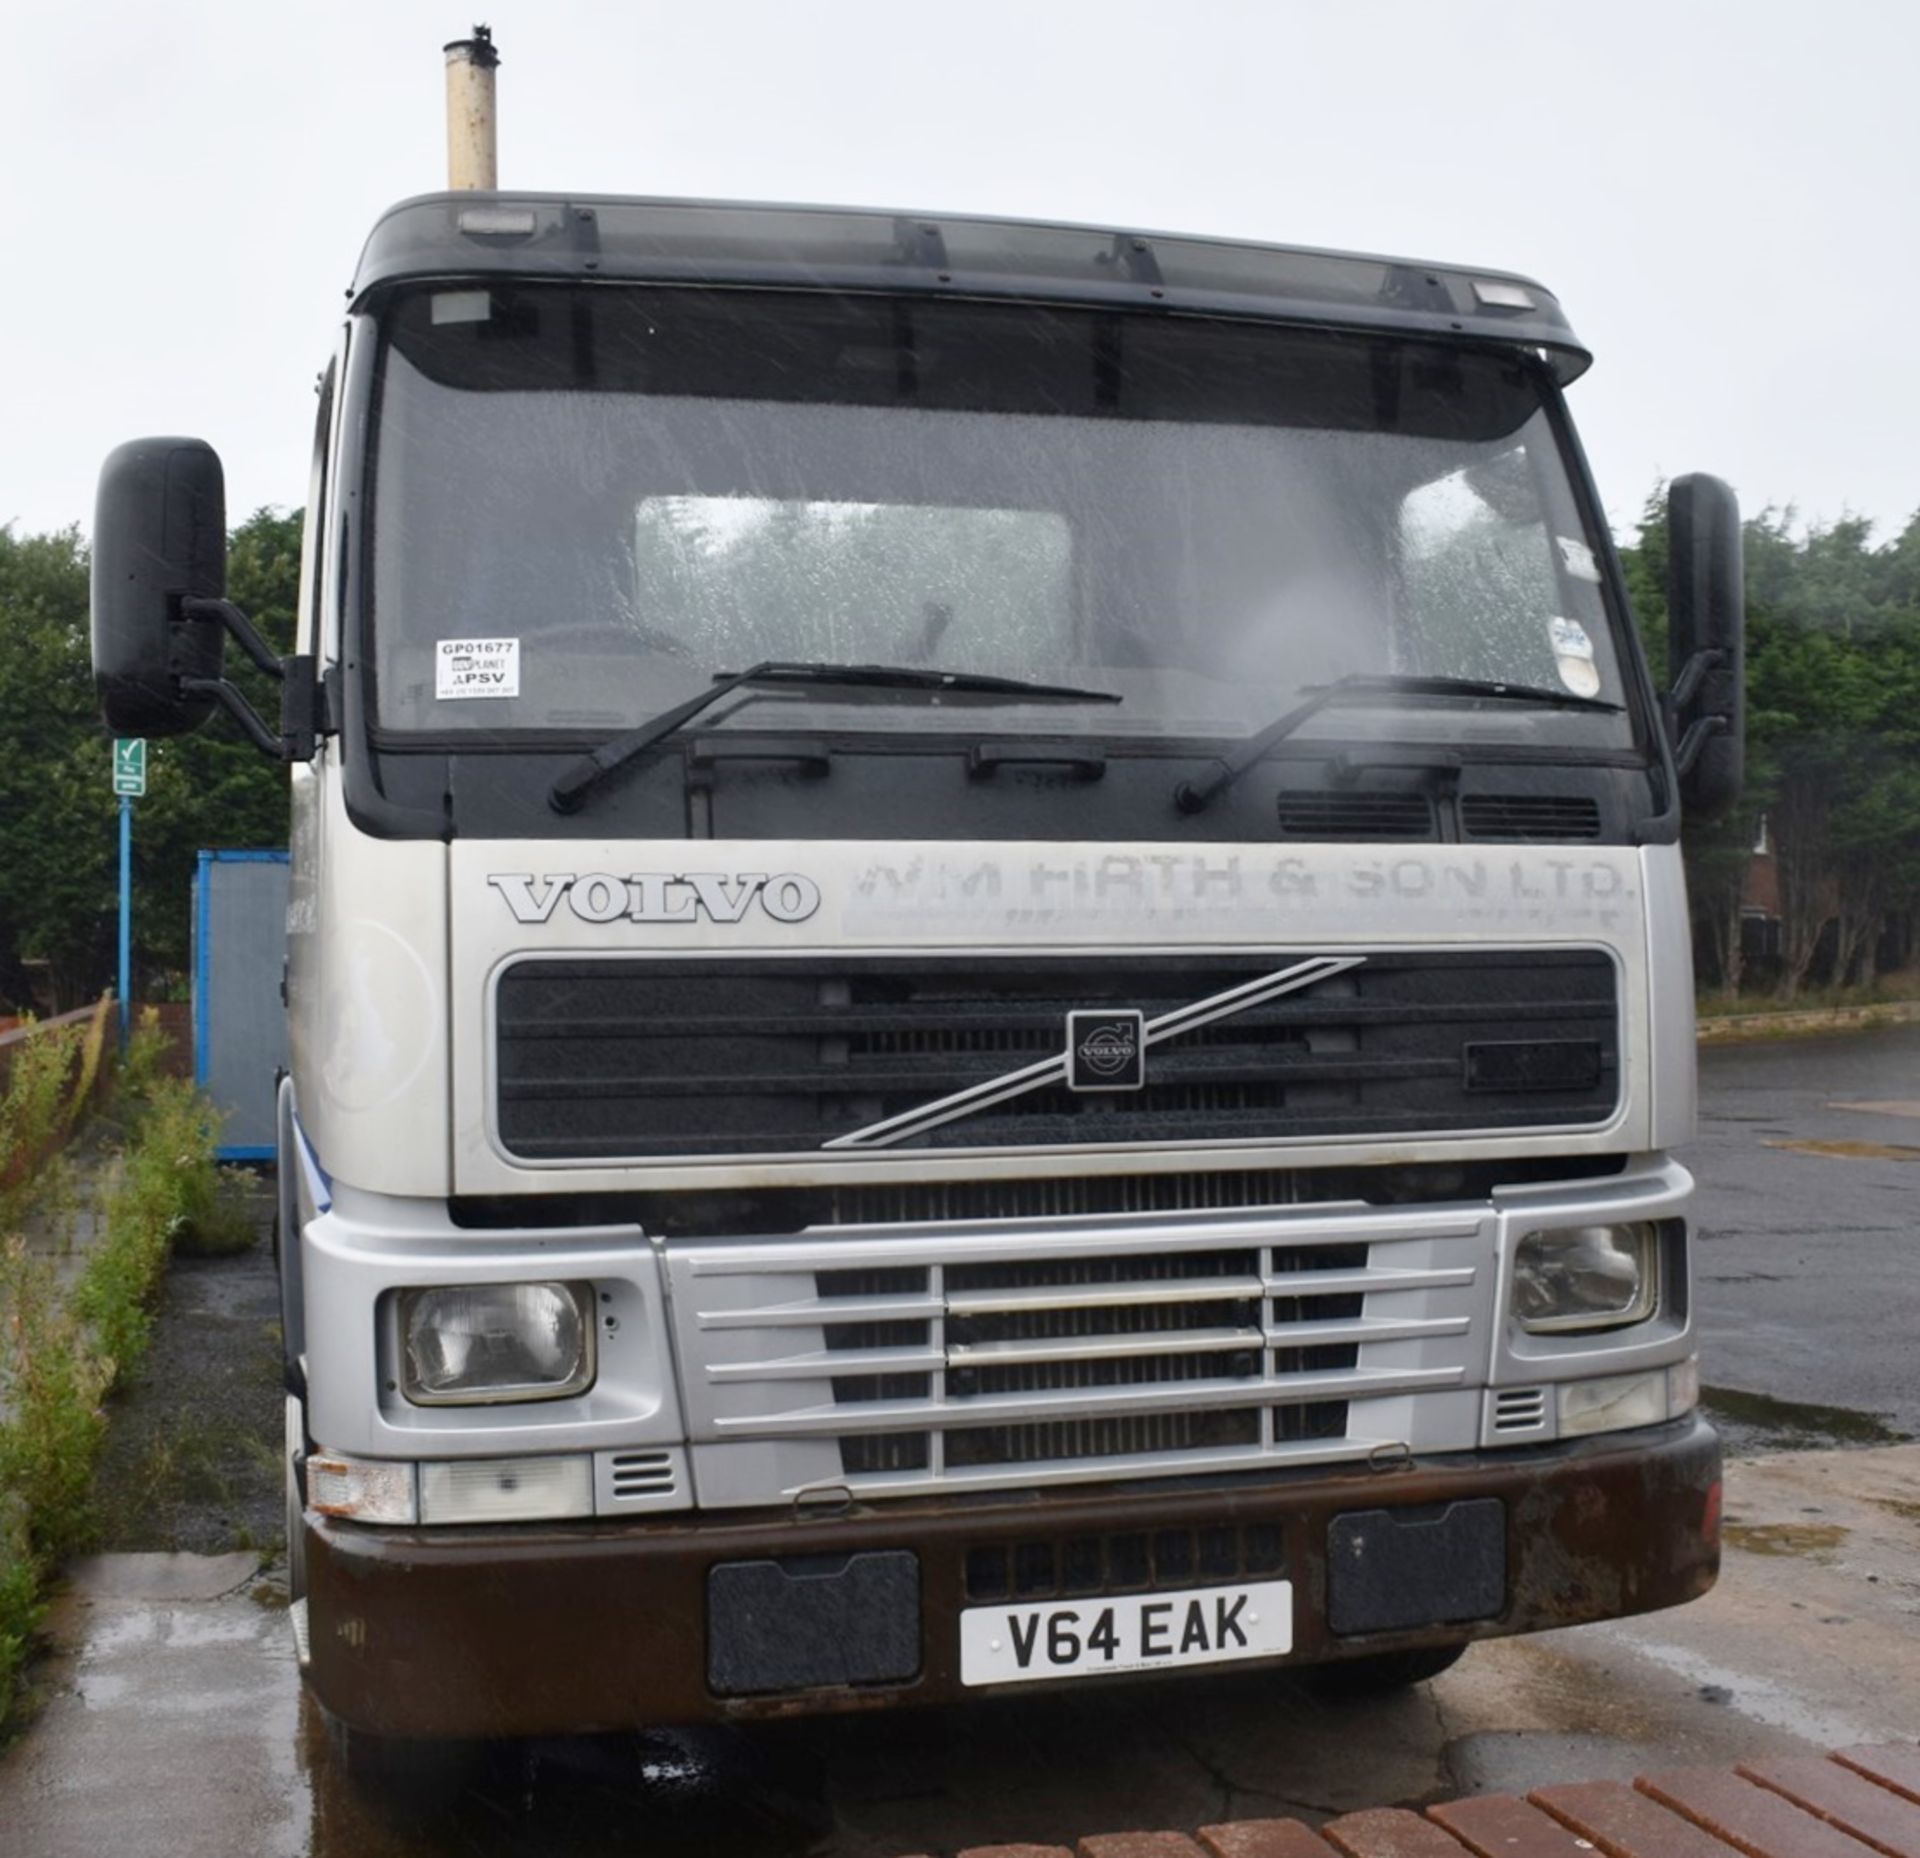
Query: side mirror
[160, 609]
[1707, 619]
[159, 540]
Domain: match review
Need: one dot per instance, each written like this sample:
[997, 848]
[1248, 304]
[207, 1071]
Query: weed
[143, 1062]
[168, 1186]
[20, 1607]
[59, 1356]
[220, 1226]
[266, 1456]
[33, 1114]
[156, 1463]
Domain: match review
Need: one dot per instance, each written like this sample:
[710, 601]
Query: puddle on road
[1783, 1538]
[1752, 1422]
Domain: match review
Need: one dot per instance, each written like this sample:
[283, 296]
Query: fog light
[1586, 1277]
[505, 1490]
[479, 1344]
[1613, 1404]
[363, 1490]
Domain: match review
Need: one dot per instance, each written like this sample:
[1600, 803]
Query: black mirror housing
[159, 539]
[1707, 616]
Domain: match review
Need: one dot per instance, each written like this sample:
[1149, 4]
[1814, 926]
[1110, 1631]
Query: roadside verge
[1731, 1028]
[67, 1338]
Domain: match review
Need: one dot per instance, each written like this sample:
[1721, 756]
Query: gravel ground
[192, 1459]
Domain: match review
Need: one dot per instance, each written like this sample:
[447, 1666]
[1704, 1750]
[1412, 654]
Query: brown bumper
[573, 1627]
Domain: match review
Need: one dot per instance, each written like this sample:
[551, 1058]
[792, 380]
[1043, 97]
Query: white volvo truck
[988, 968]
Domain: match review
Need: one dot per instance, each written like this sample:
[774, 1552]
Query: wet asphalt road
[1808, 1267]
[176, 1724]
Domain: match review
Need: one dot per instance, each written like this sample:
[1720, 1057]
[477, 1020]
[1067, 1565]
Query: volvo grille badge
[1106, 1051]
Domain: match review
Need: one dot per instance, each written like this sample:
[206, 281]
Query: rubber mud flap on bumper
[813, 1623]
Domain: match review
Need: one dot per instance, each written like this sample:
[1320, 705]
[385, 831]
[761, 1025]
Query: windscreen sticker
[1573, 656]
[476, 668]
[1579, 559]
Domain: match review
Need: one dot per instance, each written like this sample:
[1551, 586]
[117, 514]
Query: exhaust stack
[472, 155]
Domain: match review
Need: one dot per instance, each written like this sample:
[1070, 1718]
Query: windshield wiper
[1193, 796]
[569, 792]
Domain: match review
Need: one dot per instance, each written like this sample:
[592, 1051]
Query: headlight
[1586, 1277]
[474, 1344]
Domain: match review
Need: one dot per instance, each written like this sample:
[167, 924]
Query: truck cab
[988, 969]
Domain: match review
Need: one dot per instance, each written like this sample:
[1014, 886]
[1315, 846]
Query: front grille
[1013, 1327]
[1141, 1435]
[636, 1057]
[1141, 1348]
[1122, 1563]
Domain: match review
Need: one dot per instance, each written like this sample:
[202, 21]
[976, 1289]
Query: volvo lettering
[659, 896]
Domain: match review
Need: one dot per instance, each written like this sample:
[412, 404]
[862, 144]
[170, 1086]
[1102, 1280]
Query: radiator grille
[1064, 1354]
[1122, 1562]
[1141, 1435]
[635, 1057]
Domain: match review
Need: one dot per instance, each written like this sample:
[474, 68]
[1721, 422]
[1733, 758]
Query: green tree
[1833, 763]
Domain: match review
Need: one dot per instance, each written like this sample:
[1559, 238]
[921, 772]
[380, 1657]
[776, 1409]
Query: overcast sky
[1722, 195]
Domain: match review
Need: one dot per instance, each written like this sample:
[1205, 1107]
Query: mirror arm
[302, 702]
[242, 628]
[1699, 733]
[234, 702]
[1693, 674]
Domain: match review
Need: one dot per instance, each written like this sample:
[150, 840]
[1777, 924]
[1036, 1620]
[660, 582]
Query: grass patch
[1890, 990]
[61, 1354]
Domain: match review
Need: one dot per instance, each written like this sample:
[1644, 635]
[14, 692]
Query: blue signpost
[129, 782]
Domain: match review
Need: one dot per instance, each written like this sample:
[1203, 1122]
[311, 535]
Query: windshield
[591, 502]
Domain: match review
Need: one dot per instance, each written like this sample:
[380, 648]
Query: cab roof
[595, 237]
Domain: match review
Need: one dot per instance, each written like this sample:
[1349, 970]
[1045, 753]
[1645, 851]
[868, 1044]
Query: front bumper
[562, 1628]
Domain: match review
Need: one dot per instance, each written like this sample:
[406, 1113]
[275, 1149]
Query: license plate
[1132, 1632]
